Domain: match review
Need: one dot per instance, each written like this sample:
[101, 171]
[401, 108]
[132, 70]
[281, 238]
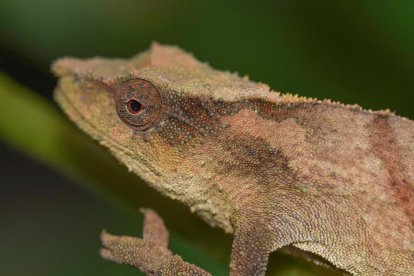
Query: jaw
[94, 112]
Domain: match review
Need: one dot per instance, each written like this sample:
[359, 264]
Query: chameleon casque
[274, 169]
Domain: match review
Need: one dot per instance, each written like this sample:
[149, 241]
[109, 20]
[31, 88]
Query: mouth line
[88, 127]
[121, 153]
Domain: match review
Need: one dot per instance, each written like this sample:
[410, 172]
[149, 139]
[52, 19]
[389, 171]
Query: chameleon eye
[134, 106]
[138, 104]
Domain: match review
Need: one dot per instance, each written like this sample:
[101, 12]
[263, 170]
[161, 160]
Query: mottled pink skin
[276, 170]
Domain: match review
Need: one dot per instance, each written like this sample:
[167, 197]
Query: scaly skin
[273, 169]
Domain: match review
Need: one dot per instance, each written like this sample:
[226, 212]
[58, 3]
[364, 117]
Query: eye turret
[138, 104]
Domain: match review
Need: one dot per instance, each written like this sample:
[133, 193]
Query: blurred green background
[351, 51]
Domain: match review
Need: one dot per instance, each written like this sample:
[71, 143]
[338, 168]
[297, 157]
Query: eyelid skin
[147, 95]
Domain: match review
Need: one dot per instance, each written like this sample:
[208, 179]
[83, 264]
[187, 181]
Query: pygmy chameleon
[274, 169]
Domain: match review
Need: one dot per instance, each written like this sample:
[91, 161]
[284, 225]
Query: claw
[154, 227]
[106, 254]
[149, 254]
[107, 239]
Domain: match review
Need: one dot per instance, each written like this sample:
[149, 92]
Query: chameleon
[276, 170]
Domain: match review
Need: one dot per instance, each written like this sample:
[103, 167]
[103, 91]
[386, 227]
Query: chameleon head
[136, 108]
[159, 113]
[123, 105]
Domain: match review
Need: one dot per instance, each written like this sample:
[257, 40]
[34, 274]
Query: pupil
[134, 106]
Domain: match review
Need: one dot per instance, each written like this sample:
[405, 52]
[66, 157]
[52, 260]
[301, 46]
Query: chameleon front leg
[149, 254]
[248, 257]
[252, 244]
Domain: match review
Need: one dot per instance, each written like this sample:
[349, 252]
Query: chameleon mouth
[128, 157]
[75, 115]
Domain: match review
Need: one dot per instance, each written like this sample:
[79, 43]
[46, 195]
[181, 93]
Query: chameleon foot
[149, 254]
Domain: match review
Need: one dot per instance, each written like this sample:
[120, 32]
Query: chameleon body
[274, 169]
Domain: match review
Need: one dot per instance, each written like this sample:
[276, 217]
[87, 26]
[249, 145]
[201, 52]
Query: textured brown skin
[150, 254]
[273, 169]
